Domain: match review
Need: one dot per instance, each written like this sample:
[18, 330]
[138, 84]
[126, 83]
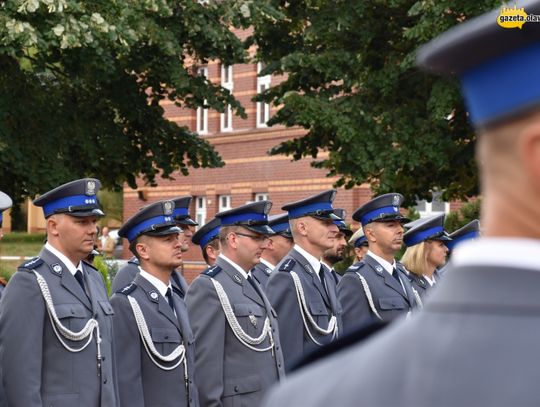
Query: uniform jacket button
[236, 389]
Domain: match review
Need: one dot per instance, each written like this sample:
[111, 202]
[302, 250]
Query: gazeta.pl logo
[514, 17]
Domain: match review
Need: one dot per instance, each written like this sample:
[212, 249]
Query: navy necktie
[80, 279]
[323, 280]
[169, 296]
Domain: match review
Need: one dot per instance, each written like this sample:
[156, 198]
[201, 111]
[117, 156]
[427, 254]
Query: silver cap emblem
[90, 187]
[168, 207]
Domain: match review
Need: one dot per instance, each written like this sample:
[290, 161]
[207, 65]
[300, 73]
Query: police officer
[181, 216]
[469, 231]
[377, 287]
[301, 291]
[480, 326]
[337, 252]
[151, 327]
[238, 354]
[207, 237]
[279, 244]
[56, 320]
[426, 251]
[359, 243]
[5, 203]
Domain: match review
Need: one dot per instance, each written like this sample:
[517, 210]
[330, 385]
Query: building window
[261, 196]
[435, 207]
[202, 113]
[263, 109]
[227, 83]
[200, 210]
[224, 203]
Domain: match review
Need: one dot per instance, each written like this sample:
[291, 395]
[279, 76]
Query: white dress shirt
[236, 266]
[71, 267]
[314, 262]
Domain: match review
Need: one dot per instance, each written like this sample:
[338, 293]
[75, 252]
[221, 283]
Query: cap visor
[326, 216]
[163, 231]
[186, 221]
[262, 229]
[85, 213]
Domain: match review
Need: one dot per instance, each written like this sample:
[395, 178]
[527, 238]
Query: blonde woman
[426, 251]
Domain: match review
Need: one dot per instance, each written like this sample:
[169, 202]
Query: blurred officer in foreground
[337, 252]
[56, 320]
[426, 251]
[207, 237]
[238, 353]
[377, 287]
[301, 291]
[360, 244]
[5, 203]
[481, 326]
[151, 327]
[181, 216]
[279, 244]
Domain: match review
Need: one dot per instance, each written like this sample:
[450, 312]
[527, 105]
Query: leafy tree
[351, 81]
[467, 213]
[81, 82]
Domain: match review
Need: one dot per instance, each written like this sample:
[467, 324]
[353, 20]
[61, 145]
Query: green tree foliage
[81, 82]
[468, 212]
[351, 81]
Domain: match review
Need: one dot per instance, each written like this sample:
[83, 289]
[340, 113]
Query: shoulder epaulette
[212, 271]
[355, 267]
[31, 264]
[134, 260]
[90, 265]
[287, 265]
[127, 289]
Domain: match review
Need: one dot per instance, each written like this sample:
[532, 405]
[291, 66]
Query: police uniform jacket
[37, 369]
[230, 373]
[127, 274]
[140, 381]
[419, 284]
[465, 346]
[261, 273]
[322, 304]
[389, 298]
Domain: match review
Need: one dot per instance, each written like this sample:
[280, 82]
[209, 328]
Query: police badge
[168, 207]
[90, 187]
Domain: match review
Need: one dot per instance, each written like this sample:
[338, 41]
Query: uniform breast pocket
[72, 316]
[165, 339]
[251, 318]
[319, 312]
[392, 303]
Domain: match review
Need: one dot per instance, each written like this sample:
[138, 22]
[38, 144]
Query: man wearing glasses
[301, 291]
[238, 353]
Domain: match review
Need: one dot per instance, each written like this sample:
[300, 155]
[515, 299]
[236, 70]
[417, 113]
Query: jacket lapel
[161, 303]
[67, 280]
[387, 277]
[332, 290]
[247, 288]
[312, 274]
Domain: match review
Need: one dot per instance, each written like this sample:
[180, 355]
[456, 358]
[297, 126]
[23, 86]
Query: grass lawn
[18, 244]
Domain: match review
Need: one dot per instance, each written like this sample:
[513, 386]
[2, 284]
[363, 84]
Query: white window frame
[227, 82]
[429, 207]
[202, 113]
[200, 210]
[261, 196]
[263, 109]
[228, 203]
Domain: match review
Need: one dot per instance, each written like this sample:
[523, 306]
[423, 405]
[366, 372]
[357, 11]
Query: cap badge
[267, 208]
[168, 207]
[395, 200]
[90, 187]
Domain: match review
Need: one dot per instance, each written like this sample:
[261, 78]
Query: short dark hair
[212, 243]
[132, 247]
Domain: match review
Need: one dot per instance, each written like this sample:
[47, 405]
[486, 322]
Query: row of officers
[269, 298]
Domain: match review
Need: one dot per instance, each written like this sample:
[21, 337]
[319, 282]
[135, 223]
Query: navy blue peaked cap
[318, 206]
[76, 198]
[181, 211]
[498, 67]
[431, 228]
[155, 219]
[207, 233]
[253, 216]
[470, 231]
[381, 209]
[280, 225]
[358, 238]
[5, 203]
[342, 226]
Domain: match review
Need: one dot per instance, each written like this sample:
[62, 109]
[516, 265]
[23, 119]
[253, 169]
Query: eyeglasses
[257, 238]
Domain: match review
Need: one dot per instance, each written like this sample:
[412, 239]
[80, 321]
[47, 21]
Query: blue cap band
[281, 227]
[307, 209]
[180, 212]
[423, 235]
[65, 203]
[243, 217]
[361, 240]
[156, 220]
[375, 214]
[471, 235]
[209, 236]
[503, 85]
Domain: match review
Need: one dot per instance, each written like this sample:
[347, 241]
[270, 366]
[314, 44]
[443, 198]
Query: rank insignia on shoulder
[57, 269]
[32, 264]
[212, 271]
[287, 265]
[90, 265]
[134, 260]
[127, 289]
[356, 266]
